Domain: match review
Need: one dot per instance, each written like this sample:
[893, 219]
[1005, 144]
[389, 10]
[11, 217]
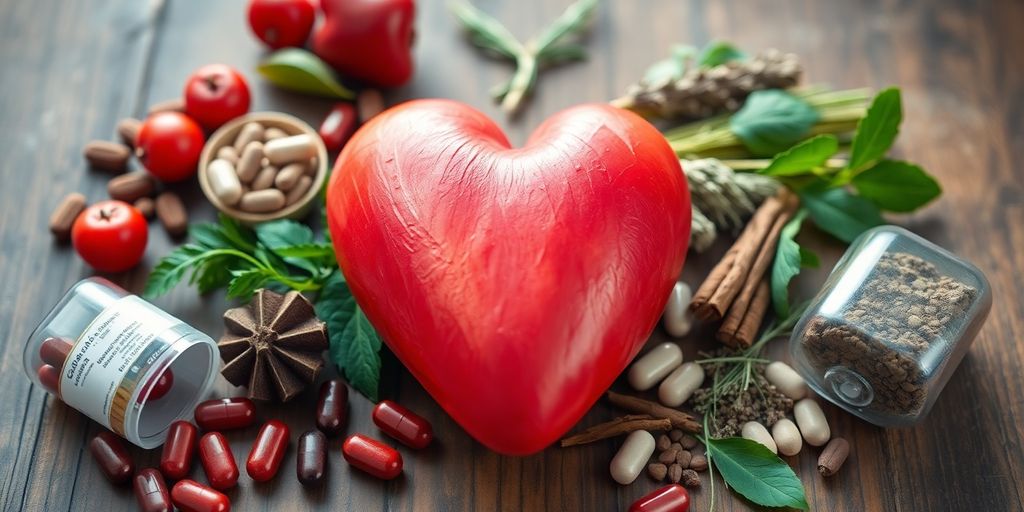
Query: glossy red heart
[515, 284]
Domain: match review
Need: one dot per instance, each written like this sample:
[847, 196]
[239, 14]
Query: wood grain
[72, 69]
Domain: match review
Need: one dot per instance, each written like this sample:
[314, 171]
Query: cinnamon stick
[744, 334]
[617, 427]
[699, 302]
[679, 419]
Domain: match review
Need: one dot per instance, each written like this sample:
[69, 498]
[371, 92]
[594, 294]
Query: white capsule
[677, 317]
[787, 437]
[632, 457]
[812, 422]
[757, 433]
[654, 366]
[786, 379]
[224, 182]
[290, 149]
[680, 384]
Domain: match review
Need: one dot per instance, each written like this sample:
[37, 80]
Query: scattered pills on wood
[128, 130]
[372, 456]
[811, 420]
[833, 456]
[64, 215]
[176, 457]
[172, 214]
[402, 424]
[756, 432]
[632, 456]
[112, 457]
[267, 451]
[677, 318]
[151, 491]
[225, 413]
[671, 498]
[107, 156]
[654, 366]
[786, 379]
[311, 458]
[787, 437]
[192, 496]
[130, 187]
[145, 206]
[332, 407]
[680, 384]
[218, 461]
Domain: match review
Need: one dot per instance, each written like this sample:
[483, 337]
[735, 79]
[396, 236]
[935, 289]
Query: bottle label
[105, 365]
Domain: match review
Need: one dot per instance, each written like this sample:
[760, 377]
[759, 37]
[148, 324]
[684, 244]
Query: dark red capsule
[332, 409]
[338, 126]
[112, 456]
[218, 461]
[311, 464]
[372, 456]
[151, 491]
[192, 496]
[671, 498]
[49, 377]
[158, 386]
[402, 424]
[54, 351]
[225, 413]
[268, 451]
[176, 459]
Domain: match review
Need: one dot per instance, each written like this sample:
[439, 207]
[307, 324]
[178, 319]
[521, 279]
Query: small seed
[688, 441]
[676, 446]
[172, 213]
[667, 456]
[833, 456]
[262, 201]
[64, 215]
[675, 435]
[289, 176]
[657, 471]
[107, 156]
[131, 186]
[265, 178]
[274, 133]
[145, 206]
[299, 190]
[369, 103]
[249, 133]
[663, 443]
[690, 479]
[128, 130]
[683, 458]
[675, 473]
[171, 105]
[699, 463]
[228, 153]
[249, 162]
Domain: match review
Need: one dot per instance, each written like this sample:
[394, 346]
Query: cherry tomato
[281, 23]
[216, 94]
[169, 145]
[110, 236]
[338, 126]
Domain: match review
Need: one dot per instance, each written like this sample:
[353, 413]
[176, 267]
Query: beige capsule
[653, 366]
[228, 153]
[249, 162]
[274, 133]
[787, 437]
[786, 379]
[250, 132]
[811, 420]
[262, 201]
[224, 181]
[265, 178]
[756, 432]
[299, 190]
[290, 149]
[312, 168]
[632, 457]
[680, 384]
[289, 176]
[677, 318]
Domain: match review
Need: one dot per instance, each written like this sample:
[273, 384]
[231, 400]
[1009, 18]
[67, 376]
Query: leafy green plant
[683, 57]
[755, 472]
[301, 71]
[282, 254]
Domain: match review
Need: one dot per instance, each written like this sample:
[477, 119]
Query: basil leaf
[786, 264]
[771, 121]
[840, 213]
[756, 473]
[245, 282]
[718, 53]
[301, 71]
[362, 355]
[806, 155]
[897, 186]
[671, 68]
[877, 130]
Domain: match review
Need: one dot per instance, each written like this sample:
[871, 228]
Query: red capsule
[268, 451]
[338, 126]
[49, 377]
[671, 498]
[225, 413]
[112, 456]
[54, 351]
[176, 459]
[151, 491]
[332, 409]
[372, 456]
[218, 461]
[159, 385]
[402, 424]
[192, 496]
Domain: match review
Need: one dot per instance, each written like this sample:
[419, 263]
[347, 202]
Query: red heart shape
[515, 284]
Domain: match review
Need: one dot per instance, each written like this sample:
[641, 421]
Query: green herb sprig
[555, 45]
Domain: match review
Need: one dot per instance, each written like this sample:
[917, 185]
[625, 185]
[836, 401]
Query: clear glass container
[890, 325]
[121, 361]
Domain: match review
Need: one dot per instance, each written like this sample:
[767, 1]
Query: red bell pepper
[369, 40]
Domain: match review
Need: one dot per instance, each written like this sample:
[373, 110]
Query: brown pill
[311, 463]
[228, 153]
[249, 162]
[54, 351]
[112, 457]
[49, 377]
[262, 201]
[299, 190]
[170, 105]
[172, 213]
[128, 130]
[332, 407]
[265, 178]
[833, 456]
[145, 206]
[63, 217]
[107, 156]
[369, 103]
[131, 186]
[289, 176]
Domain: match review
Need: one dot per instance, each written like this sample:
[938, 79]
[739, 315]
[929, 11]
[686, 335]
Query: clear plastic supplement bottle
[121, 361]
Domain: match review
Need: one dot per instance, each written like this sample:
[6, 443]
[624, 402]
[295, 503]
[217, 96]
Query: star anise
[274, 345]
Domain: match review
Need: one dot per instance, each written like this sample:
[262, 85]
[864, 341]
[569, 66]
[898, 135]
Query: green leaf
[172, 269]
[208, 235]
[803, 157]
[671, 68]
[246, 282]
[786, 265]
[808, 258]
[301, 71]
[565, 52]
[897, 186]
[280, 235]
[877, 130]
[718, 53]
[362, 355]
[307, 251]
[241, 237]
[771, 121]
[840, 213]
[214, 274]
[756, 473]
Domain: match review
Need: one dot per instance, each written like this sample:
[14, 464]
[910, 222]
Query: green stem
[522, 81]
[308, 285]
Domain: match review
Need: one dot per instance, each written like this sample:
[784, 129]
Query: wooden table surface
[70, 70]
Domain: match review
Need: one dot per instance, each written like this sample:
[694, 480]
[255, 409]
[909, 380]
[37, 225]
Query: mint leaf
[771, 121]
[245, 282]
[897, 186]
[840, 213]
[787, 264]
[877, 130]
[756, 473]
[362, 355]
[806, 155]
[718, 53]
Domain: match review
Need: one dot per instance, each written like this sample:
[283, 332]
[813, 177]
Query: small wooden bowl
[225, 135]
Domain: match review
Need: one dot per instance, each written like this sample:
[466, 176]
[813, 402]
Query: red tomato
[338, 126]
[169, 145]
[281, 23]
[216, 94]
[110, 236]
